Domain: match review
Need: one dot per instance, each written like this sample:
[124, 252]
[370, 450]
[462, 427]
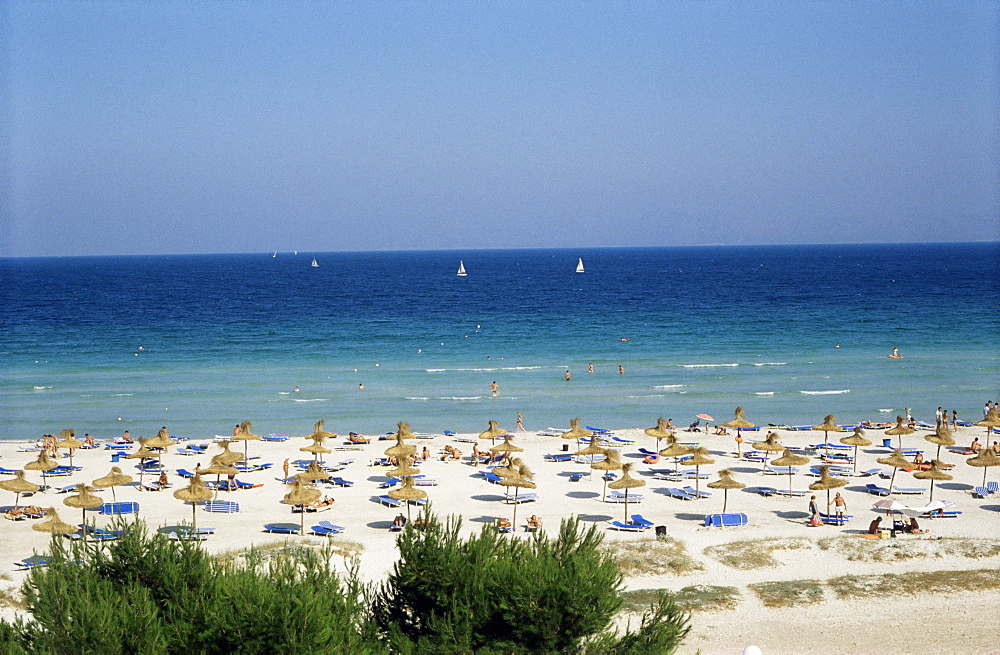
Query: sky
[192, 127]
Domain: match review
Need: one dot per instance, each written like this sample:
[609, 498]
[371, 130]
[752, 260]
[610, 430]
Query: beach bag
[815, 521]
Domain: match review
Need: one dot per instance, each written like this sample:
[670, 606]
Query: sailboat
[315, 264]
[579, 265]
[461, 269]
[274, 255]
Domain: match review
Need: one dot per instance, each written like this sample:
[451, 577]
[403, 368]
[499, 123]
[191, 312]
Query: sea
[198, 343]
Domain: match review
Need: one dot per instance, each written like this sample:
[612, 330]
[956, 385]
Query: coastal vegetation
[485, 593]
[788, 593]
[756, 553]
[654, 556]
[896, 550]
[696, 598]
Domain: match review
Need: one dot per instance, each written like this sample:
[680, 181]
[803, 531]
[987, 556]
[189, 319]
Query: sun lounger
[754, 457]
[222, 506]
[681, 495]
[8, 471]
[696, 492]
[421, 481]
[330, 526]
[942, 514]
[980, 492]
[993, 486]
[281, 528]
[725, 520]
[30, 563]
[521, 498]
[492, 477]
[876, 490]
[341, 482]
[187, 536]
[389, 502]
[117, 446]
[833, 519]
[869, 472]
[907, 490]
[780, 470]
[273, 437]
[648, 452]
[628, 527]
[623, 442]
[320, 531]
[619, 497]
[121, 507]
[560, 457]
[184, 473]
[639, 520]
[575, 477]
[397, 528]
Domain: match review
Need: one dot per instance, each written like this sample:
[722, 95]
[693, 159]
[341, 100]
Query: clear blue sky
[187, 127]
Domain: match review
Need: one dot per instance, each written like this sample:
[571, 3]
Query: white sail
[461, 269]
[579, 265]
[315, 264]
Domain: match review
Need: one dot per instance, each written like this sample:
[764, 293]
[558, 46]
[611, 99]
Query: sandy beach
[883, 620]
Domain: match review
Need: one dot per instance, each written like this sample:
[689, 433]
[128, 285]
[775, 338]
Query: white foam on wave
[308, 400]
[707, 365]
[649, 395]
[521, 368]
[464, 370]
[825, 393]
[40, 388]
[460, 398]
[770, 363]
[763, 393]
[669, 386]
[284, 393]
[885, 411]
[416, 398]
[123, 394]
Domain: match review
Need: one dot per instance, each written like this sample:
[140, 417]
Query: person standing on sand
[284, 468]
[839, 506]
[813, 511]
[954, 420]
[520, 423]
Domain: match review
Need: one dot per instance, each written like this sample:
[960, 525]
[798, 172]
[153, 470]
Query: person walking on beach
[937, 417]
[839, 506]
[284, 468]
[520, 423]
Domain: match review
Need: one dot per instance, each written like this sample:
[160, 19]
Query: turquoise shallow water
[228, 337]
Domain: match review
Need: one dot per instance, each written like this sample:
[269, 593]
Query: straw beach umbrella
[611, 462]
[196, 492]
[674, 449]
[986, 458]
[18, 485]
[827, 482]
[163, 441]
[70, 442]
[828, 426]
[941, 437]
[725, 482]
[54, 525]
[510, 470]
[42, 463]
[246, 437]
[770, 444]
[401, 450]
[141, 453]
[407, 492]
[790, 459]
[314, 473]
[319, 433]
[699, 458]
[856, 439]
[659, 432]
[218, 469]
[933, 474]
[899, 431]
[576, 432]
[740, 422]
[992, 420]
[493, 432]
[316, 448]
[302, 495]
[84, 499]
[226, 457]
[113, 479]
[627, 482]
[522, 478]
[896, 461]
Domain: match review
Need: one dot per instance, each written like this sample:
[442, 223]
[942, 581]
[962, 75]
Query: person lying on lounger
[325, 502]
[534, 522]
[399, 521]
[503, 524]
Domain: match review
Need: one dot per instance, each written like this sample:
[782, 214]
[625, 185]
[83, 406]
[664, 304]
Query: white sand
[933, 623]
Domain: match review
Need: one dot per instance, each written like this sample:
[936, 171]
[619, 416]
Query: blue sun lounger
[677, 493]
[121, 507]
[389, 502]
[638, 519]
[696, 493]
[281, 528]
[629, 527]
[980, 492]
[993, 486]
[341, 482]
[273, 437]
[832, 519]
[222, 506]
[30, 563]
[876, 490]
[324, 531]
[725, 520]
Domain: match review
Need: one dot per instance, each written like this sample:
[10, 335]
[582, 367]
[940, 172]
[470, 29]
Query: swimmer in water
[895, 353]
[296, 389]
[567, 376]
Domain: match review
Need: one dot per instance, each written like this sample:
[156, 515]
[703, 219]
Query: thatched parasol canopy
[313, 473]
[18, 485]
[627, 482]
[319, 434]
[42, 463]
[933, 474]
[246, 436]
[941, 437]
[856, 439]
[576, 432]
[316, 448]
[828, 426]
[84, 499]
[404, 470]
[725, 482]
[521, 480]
[770, 444]
[992, 420]
[196, 492]
[740, 422]
[592, 448]
[70, 442]
[827, 482]
[896, 461]
[401, 450]
[493, 432]
[141, 452]
[113, 479]
[506, 446]
[611, 462]
[659, 432]
[53, 525]
[226, 457]
[986, 458]
[301, 494]
[788, 458]
[674, 448]
[161, 440]
[899, 430]
[510, 470]
[407, 492]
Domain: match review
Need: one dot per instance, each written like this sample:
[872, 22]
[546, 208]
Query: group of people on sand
[451, 452]
[839, 507]
[532, 523]
[911, 526]
[31, 511]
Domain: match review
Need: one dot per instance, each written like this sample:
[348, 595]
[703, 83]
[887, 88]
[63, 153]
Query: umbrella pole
[513, 525]
[855, 459]
[725, 499]
[789, 480]
[605, 492]
[893, 478]
[625, 520]
[194, 519]
[932, 491]
[697, 474]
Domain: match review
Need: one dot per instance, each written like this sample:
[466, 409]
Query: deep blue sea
[198, 343]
